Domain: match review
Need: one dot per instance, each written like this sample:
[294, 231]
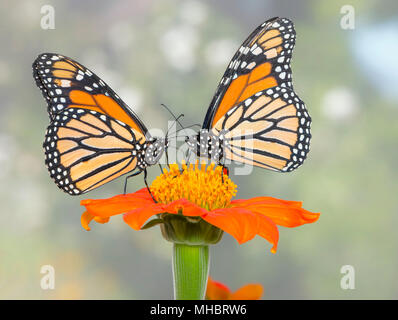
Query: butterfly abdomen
[206, 144]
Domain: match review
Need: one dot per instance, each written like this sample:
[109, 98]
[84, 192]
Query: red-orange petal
[87, 217]
[137, 217]
[118, 204]
[267, 229]
[287, 217]
[265, 200]
[85, 220]
[238, 222]
[282, 212]
[216, 290]
[248, 292]
[101, 219]
[186, 207]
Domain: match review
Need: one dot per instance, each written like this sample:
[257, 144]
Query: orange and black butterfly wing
[93, 137]
[85, 149]
[270, 129]
[263, 121]
[65, 83]
[262, 62]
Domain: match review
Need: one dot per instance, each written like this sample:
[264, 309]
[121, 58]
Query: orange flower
[218, 291]
[200, 193]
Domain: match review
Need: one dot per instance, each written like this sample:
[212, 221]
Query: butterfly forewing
[262, 62]
[65, 83]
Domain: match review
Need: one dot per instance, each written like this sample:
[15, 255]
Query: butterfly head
[154, 150]
[190, 141]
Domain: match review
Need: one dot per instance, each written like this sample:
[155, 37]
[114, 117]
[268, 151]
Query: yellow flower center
[208, 187]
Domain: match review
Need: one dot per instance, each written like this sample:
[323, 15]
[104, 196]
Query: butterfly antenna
[175, 121]
[167, 134]
[190, 126]
[175, 118]
[187, 127]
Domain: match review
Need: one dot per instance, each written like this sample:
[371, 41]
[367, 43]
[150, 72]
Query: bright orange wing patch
[67, 84]
[244, 87]
[102, 104]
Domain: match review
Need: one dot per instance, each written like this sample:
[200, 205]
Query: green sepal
[193, 231]
[152, 223]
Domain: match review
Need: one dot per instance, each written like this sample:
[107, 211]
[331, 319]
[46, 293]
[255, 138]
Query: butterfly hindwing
[270, 129]
[262, 62]
[84, 149]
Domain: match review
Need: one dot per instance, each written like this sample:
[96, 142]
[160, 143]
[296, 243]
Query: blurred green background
[174, 52]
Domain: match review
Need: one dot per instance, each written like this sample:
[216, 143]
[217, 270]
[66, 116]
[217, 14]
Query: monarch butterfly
[255, 117]
[93, 136]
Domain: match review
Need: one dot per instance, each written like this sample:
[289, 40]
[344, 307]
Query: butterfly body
[93, 136]
[255, 117]
[207, 144]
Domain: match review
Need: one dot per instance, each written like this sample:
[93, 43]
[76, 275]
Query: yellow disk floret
[206, 186]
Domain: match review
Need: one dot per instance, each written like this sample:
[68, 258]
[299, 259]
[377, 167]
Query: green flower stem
[190, 271]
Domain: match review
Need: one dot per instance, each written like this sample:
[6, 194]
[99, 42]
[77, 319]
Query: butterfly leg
[147, 186]
[187, 159]
[224, 171]
[167, 159]
[125, 181]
